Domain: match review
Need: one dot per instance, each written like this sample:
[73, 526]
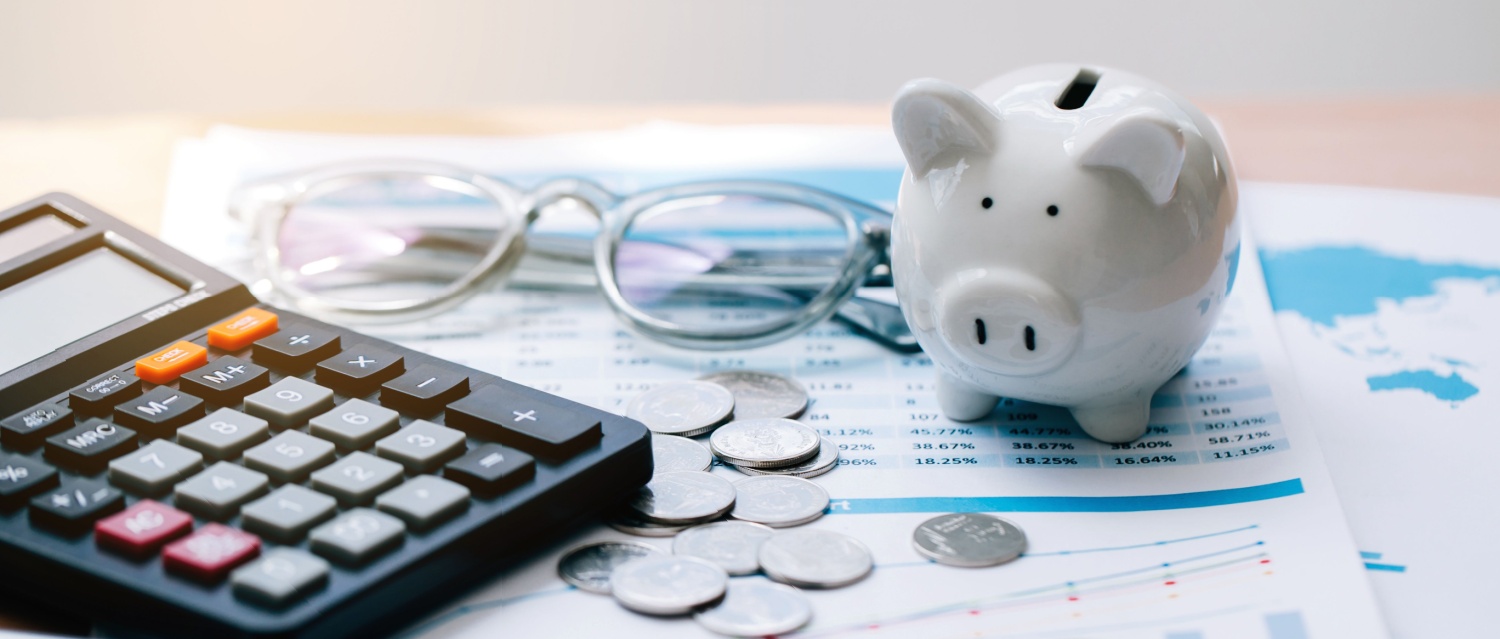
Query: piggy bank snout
[1007, 321]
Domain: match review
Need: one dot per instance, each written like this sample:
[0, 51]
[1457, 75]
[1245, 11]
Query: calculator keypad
[274, 458]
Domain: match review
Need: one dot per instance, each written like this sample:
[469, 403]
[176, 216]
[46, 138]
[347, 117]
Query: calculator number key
[224, 434]
[279, 577]
[217, 492]
[421, 446]
[290, 402]
[355, 424]
[290, 456]
[357, 536]
[154, 469]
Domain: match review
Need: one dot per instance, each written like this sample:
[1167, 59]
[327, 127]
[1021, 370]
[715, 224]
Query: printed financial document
[1221, 522]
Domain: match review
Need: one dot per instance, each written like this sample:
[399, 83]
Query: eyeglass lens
[386, 238]
[728, 261]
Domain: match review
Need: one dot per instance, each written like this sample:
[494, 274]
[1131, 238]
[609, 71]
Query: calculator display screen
[72, 300]
[31, 234]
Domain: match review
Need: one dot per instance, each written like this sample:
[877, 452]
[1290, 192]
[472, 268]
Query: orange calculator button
[172, 361]
[237, 332]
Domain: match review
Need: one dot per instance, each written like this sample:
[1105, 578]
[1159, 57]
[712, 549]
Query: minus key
[424, 390]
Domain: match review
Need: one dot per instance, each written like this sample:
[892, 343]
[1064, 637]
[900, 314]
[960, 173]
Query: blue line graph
[1125, 503]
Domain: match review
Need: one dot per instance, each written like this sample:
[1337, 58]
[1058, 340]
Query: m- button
[226, 380]
[359, 370]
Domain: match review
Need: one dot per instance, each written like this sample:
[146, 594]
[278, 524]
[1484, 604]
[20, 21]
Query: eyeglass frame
[263, 205]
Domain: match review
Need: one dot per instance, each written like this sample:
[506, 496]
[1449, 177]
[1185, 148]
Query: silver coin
[758, 394]
[667, 585]
[826, 460]
[684, 498]
[812, 558]
[777, 501]
[631, 523]
[758, 443]
[672, 454]
[969, 539]
[755, 608]
[589, 567]
[733, 545]
[682, 408]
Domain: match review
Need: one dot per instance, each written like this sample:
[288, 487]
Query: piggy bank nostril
[979, 331]
[1030, 339]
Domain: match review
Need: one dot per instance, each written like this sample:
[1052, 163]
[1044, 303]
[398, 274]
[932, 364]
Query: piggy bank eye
[1052, 210]
[986, 203]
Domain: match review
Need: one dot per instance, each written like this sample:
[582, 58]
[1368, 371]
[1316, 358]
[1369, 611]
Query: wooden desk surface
[120, 163]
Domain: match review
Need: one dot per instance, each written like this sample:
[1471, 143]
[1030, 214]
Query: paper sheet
[1388, 303]
[1221, 523]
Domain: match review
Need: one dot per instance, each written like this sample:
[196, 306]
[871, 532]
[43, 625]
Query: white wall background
[79, 57]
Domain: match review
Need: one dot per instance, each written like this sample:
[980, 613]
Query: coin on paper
[671, 454]
[758, 394]
[826, 459]
[777, 501]
[682, 408]
[684, 498]
[754, 608]
[588, 567]
[970, 540]
[812, 558]
[667, 585]
[631, 523]
[733, 545]
[758, 443]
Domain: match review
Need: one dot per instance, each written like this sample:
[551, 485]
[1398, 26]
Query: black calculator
[177, 459]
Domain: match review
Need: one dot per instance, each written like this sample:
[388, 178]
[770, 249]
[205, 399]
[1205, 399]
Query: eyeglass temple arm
[879, 321]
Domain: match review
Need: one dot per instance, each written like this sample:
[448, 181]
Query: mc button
[89, 447]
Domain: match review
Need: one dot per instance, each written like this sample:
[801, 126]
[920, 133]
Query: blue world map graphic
[1325, 284]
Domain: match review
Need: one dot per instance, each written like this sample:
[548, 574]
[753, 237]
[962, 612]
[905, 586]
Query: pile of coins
[725, 529]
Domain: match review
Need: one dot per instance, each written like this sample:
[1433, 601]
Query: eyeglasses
[706, 265]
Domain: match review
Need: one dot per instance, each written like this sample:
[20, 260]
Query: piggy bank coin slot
[1078, 90]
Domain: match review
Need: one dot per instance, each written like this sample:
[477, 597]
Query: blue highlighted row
[1127, 503]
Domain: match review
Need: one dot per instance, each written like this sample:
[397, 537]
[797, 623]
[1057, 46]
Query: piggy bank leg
[1114, 423]
[961, 403]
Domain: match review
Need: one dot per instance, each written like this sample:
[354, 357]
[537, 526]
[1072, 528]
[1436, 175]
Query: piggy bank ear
[938, 123]
[1144, 145]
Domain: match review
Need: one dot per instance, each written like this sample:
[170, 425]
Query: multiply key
[90, 445]
[160, 412]
[359, 370]
[225, 380]
[520, 420]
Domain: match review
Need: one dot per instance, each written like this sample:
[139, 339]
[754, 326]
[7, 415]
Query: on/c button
[174, 360]
[239, 331]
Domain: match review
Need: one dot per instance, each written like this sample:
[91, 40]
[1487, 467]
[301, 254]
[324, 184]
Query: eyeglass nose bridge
[588, 194]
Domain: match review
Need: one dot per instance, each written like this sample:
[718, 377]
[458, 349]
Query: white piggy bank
[1064, 235]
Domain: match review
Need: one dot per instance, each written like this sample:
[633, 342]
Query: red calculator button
[174, 360]
[210, 552]
[239, 331]
[142, 528]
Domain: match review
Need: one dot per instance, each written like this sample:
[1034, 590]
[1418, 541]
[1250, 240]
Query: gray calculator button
[218, 491]
[290, 456]
[355, 423]
[425, 501]
[357, 478]
[287, 513]
[153, 469]
[224, 434]
[289, 402]
[422, 446]
[357, 536]
[278, 576]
